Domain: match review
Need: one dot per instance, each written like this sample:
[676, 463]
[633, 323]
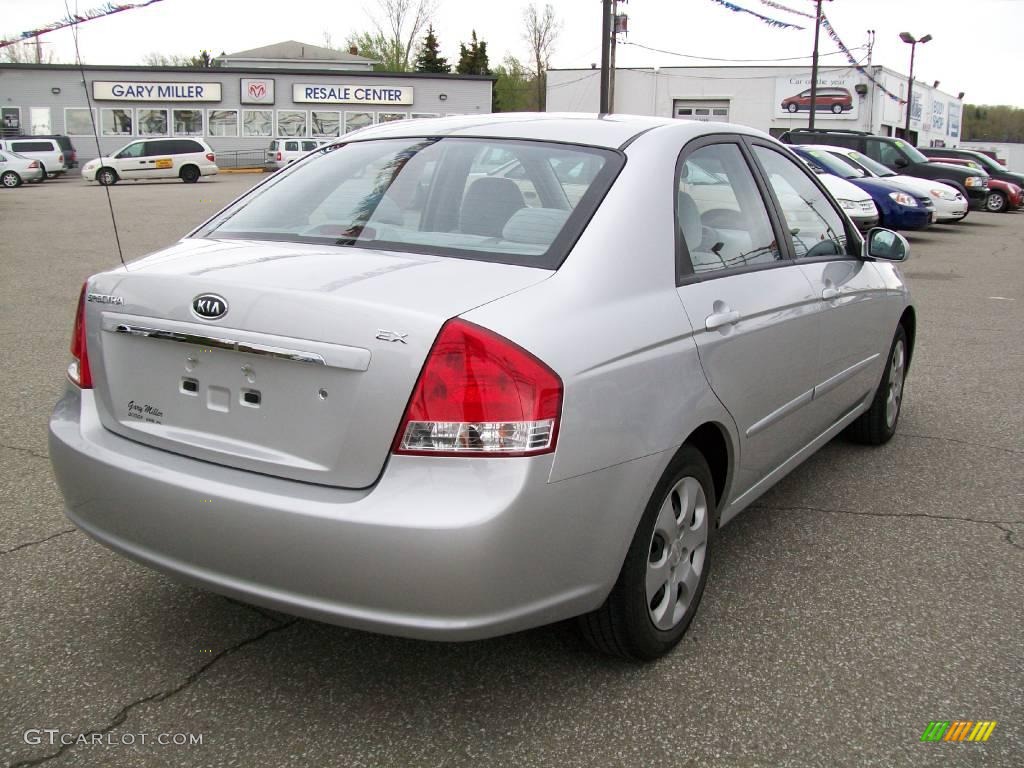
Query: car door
[130, 162]
[754, 315]
[852, 292]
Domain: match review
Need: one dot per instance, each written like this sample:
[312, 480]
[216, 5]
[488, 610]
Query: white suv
[46, 151]
[285, 151]
[186, 159]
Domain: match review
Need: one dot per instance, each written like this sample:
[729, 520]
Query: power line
[713, 58]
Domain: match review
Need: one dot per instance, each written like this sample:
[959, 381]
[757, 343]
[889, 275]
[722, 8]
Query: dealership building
[771, 98]
[289, 89]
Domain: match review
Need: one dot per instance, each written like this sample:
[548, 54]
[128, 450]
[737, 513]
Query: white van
[285, 151]
[46, 151]
[185, 159]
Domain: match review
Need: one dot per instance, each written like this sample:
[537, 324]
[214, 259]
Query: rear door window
[309, 146]
[32, 146]
[721, 215]
[291, 146]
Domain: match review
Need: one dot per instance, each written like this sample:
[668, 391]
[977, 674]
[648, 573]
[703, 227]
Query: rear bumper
[449, 549]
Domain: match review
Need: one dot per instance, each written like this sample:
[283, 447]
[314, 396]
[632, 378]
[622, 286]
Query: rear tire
[996, 202]
[10, 179]
[878, 424]
[107, 177]
[662, 579]
[189, 174]
[792, 109]
[837, 109]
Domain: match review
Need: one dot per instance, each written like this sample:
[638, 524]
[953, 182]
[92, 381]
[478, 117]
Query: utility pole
[814, 67]
[908, 38]
[611, 55]
[606, 35]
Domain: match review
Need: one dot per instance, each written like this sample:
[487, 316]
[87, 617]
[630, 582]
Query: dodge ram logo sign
[209, 306]
[257, 90]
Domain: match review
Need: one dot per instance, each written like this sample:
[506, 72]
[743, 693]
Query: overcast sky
[976, 45]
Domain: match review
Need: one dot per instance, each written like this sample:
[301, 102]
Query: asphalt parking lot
[872, 591]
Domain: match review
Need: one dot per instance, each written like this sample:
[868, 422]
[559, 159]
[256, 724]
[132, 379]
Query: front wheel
[792, 108]
[662, 579]
[877, 425]
[190, 174]
[996, 202]
[106, 177]
[837, 108]
[10, 179]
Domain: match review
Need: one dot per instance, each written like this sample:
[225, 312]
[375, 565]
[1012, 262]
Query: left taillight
[78, 370]
[211, 157]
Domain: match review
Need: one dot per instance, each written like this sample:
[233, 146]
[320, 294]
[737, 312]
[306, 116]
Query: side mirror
[888, 245]
[901, 162]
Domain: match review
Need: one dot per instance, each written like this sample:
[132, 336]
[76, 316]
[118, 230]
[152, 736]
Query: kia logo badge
[209, 306]
[257, 90]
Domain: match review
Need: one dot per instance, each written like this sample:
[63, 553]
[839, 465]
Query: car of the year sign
[384, 391]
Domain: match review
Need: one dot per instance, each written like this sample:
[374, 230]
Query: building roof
[294, 50]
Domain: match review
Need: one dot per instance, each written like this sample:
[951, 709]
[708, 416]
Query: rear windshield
[832, 163]
[866, 162]
[515, 202]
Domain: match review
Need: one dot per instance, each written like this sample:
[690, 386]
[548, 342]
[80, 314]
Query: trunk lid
[305, 375]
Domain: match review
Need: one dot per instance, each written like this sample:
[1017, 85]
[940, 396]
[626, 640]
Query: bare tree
[401, 22]
[541, 32]
[29, 51]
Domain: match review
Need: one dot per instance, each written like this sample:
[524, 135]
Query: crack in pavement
[960, 442]
[996, 523]
[40, 541]
[29, 451]
[123, 713]
[254, 609]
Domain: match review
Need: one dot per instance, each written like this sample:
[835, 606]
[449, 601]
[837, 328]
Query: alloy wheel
[897, 373]
[676, 553]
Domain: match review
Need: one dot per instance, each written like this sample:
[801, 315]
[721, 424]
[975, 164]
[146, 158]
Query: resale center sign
[388, 95]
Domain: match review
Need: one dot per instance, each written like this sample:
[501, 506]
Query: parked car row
[911, 187]
[54, 154]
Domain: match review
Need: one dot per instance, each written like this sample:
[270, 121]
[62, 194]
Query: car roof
[612, 131]
[828, 148]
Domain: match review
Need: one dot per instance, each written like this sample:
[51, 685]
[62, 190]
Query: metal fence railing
[242, 158]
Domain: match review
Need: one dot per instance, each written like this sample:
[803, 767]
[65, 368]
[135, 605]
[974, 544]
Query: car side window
[815, 227]
[884, 152]
[291, 146]
[721, 216]
[132, 150]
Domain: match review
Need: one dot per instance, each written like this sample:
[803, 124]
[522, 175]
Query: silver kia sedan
[391, 390]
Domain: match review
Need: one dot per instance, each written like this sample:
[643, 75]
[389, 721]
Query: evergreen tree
[473, 58]
[429, 59]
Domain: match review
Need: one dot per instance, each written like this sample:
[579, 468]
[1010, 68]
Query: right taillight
[279, 157]
[78, 370]
[479, 394]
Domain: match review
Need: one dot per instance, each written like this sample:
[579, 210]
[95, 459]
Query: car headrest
[689, 221]
[536, 226]
[488, 205]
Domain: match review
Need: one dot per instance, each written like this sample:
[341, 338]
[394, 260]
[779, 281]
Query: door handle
[720, 319]
[830, 293]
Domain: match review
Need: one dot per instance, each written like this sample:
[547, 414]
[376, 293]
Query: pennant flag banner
[766, 19]
[853, 60]
[95, 13]
[781, 7]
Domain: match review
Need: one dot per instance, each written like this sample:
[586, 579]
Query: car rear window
[515, 202]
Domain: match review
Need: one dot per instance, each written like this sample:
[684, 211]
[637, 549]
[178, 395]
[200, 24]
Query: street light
[906, 37]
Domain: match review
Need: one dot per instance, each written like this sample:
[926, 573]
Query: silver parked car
[381, 390]
[16, 169]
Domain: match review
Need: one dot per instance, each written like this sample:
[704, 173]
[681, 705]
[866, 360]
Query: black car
[992, 168]
[899, 156]
[67, 148]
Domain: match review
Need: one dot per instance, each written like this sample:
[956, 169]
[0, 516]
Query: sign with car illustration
[835, 98]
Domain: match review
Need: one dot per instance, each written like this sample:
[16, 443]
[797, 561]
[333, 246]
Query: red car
[835, 100]
[1003, 196]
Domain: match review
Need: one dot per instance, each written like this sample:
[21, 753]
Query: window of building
[116, 122]
[78, 121]
[701, 110]
[326, 125]
[41, 125]
[291, 123]
[223, 122]
[423, 115]
[188, 122]
[152, 122]
[356, 120]
[257, 122]
[390, 117]
[10, 121]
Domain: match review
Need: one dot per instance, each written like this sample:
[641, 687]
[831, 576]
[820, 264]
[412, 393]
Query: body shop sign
[129, 90]
[313, 93]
